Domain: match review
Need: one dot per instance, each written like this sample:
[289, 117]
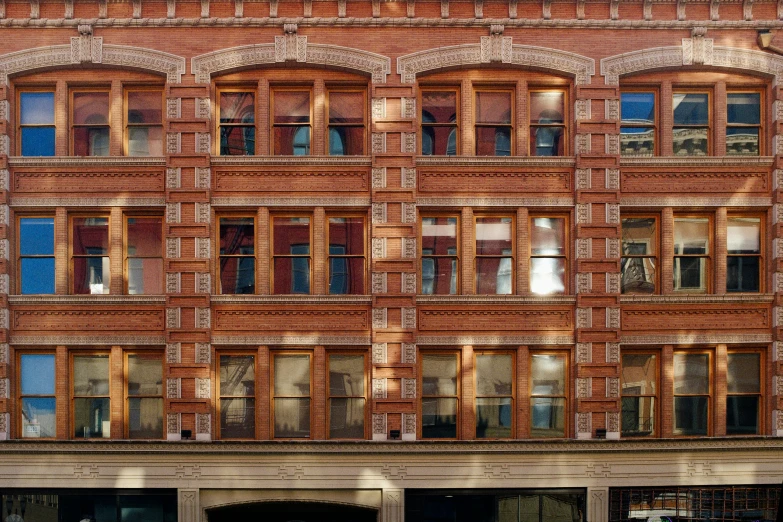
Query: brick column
[5, 382]
[777, 276]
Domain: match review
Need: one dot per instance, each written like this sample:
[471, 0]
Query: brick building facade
[386, 260]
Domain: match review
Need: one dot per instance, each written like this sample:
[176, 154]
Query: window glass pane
[292, 417]
[438, 418]
[91, 141]
[145, 141]
[346, 418]
[743, 108]
[547, 107]
[744, 373]
[742, 141]
[691, 373]
[348, 234]
[37, 275]
[548, 375]
[292, 106]
[742, 415]
[547, 417]
[743, 235]
[237, 418]
[441, 141]
[691, 108]
[742, 274]
[145, 374]
[144, 236]
[38, 417]
[237, 378]
[439, 235]
[494, 374]
[438, 276]
[91, 275]
[637, 140]
[292, 375]
[346, 375]
[237, 107]
[145, 106]
[547, 236]
[37, 108]
[547, 275]
[292, 141]
[346, 275]
[291, 235]
[691, 236]
[37, 141]
[237, 141]
[493, 417]
[639, 236]
[91, 417]
[91, 375]
[439, 107]
[145, 276]
[346, 141]
[237, 236]
[493, 275]
[90, 236]
[493, 107]
[292, 275]
[237, 375]
[639, 374]
[439, 375]
[145, 418]
[37, 374]
[493, 141]
[637, 108]
[90, 108]
[690, 415]
[346, 107]
[638, 416]
[237, 275]
[493, 236]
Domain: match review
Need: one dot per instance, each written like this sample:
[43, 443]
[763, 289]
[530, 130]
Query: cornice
[698, 299]
[495, 340]
[654, 200]
[313, 201]
[490, 161]
[290, 340]
[292, 161]
[567, 446]
[43, 300]
[292, 300]
[565, 201]
[495, 300]
[700, 161]
[16, 201]
[88, 340]
[692, 338]
[86, 161]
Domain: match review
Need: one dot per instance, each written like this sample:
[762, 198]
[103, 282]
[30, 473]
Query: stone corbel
[714, 9]
[697, 50]
[171, 8]
[411, 9]
[272, 8]
[103, 8]
[478, 8]
[546, 9]
[204, 8]
[747, 10]
[780, 10]
[308, 8]
[85, 48]
[136, 9]
[647, 9]
[580, 9]
[341, 8]
[444, 8]
[35, 9]
[614, 9]
[68, 9]
[376, 8]
[496, 47]
[680, 10]
[512, 9]
[290, 47]
[2, 8]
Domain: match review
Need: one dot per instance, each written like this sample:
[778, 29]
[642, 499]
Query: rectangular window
[90, 127]
[639, 390]
[144, 395]
[548, 261]
[495, 257]
[237, 125]
[90, 268]
[36, 123]
[744, 261]
[691, 128]
[638, 123]
[37, 399]
[548, 395]
[237, 392]
[439, 395]
[439, 255]
[237, 261]
[743, 393]
[640, 255]
[548, 123]
[743, 123]
[36, 255]
[439, 122]
[346, 395]
[91, 411]
[144, 122]
[494, 123]
[494, 395]
[692, 389]
[144, 254]
[291, 258]
[692, 254]
[346, 255]
[291, 394]
[291, 122]
[347, 122]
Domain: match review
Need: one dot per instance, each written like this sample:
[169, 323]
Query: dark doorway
[292, 512]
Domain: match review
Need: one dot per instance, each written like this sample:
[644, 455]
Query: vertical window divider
[320, 118]
[523, 392]
[465, 110]
[320, 251]
[720, 253]
[667, 119]
[319, 427]
[117, 380]
[116, 248]
[263, 256]
[115, 115]
[718, 391]
[720, 119]
[667, 250]
[263, 400]
[467, 250]
[523, 250]
[262, 117]
[523, 122]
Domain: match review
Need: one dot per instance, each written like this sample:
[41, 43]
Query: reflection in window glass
[90, 123]
[237, 123]
[237, 255]
[691, 124]
[144, 254]
[145, 396]
[439, 265]
[36, 255]
[743, 263]
[743, 399]
[346, 396]
[291, 123]
[91, 411]
[144, 120]
[637, 125]
[291, 255]
[494, 395]
[346, 123]
[346, 255]
[691, 393]
[36, 123]
[639, 378]
[547, 255]
[494, 255]
[439, 401]
[90, 259]
[291, 401]
[743, 123]
[547, 123]
[639, 261]
[439, 123]
[548, 391]
[237, 385]
[493, 123]
[691, 254]
[37, 399]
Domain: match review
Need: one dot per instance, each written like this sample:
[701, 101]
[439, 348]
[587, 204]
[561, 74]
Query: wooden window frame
[566, 256]
[71, 118]
[761, 256]
[20, 397]
[73, 354]
[273, 90]
[345, 89]
[273, 396]
[219, 256]
[656, 92]
[127, 256]
[513, 255]
[20, 256]
[562, 126]
[457, 354]
[219, 125]
[19, 126]
[762, 119]
[330, 256]
[72, 257]
[433, 125]
[656, 257]
[762, 388]
[676, 89]
[220, 396]
[328, 392]
[455, 258]
[710, 353]
[566, 395]
[511, 126]
[709, 256]
[656, 396]
[512, 354]
[127, 354]
[127, 125]
[273, 257]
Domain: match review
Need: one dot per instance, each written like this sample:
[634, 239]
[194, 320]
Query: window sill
[85, 161]
[696, 298]
[22, 300]
[496, 299]
[698, 161]
[364, 161]
[292, 299]
[496, 161]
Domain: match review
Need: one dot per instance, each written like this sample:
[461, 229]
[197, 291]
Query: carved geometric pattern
[584, 282]
[612, 283]
[408, 353]
[582, 179]
[408, 108]
[409, 424]
[409, 318]
[613, 248]
[613, 421]
[173, 423]
[173, 212]
[203, 142]
[173, 247]
[572, 64]
[205, 65]
[203, 318]
[583, 214]
[203, 388]
[3, 353]
[378, 353]
[172, 317]
[379, 213]
[613, 214]
[203, 423]
[4, 179]
[3, 249]
[203, 353]
[173, 142]
[174, 108]
[492, 340]
[203, 177]
[408, 283]
[173, 178]
[173, 389]
[203, 246]
[378, 283]
[584, 424]
[378, 142]
[203, 282]
[378, 247]
[202, 213]
[379, 424]
[3, 426]
[583, 110]
[584, 248]
[583, 385]
[379, 388]
[408, 143]
[88, 340]
[612, 144]
[409, 212]
[613, 353]
[408, 177]
[613, 179]
[3, 388]
[409, 247]
[583, 353]
[612, 110]
[379, 318]
[173, 353]
[3, 110]
[613, 387]
[584, 317]
[378, 177]
[4, 281]
[583, 143]
[691, 338]
[378, 108]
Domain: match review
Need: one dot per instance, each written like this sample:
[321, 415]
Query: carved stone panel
[281, 318]
[103, 320]
[494, 319]
[688, 318]
[504, 180]
[89, 180]
[695, 181]
[285, 179]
